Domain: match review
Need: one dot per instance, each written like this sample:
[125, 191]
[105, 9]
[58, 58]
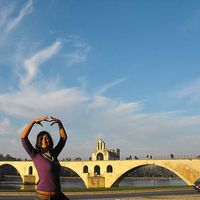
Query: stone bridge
[109, 173]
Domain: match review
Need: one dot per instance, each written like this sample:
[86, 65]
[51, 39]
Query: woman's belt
[44, 195]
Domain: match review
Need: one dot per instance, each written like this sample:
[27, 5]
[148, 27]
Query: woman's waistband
[45, 195]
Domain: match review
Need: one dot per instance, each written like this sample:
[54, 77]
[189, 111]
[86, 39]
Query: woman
[45, 159]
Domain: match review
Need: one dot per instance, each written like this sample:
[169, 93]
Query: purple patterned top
[48, 171]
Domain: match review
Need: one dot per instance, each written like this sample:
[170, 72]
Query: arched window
[30, 170]
[99, 156]
[85, 169]
[96, 170]
[109, 169]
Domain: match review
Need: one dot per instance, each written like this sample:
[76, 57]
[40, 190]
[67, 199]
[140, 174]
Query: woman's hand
[28, 128]
[38, 121]
[55, 121]
[62, 132]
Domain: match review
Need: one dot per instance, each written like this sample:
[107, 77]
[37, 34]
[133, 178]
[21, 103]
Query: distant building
[101, 153]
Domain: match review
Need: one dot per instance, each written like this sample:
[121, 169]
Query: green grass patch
[122, 188]
[125, 188]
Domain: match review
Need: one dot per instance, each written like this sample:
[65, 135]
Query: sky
[126, 72]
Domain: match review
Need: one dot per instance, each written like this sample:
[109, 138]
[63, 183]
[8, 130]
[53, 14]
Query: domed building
[101, 153]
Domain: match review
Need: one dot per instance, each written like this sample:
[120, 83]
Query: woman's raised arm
[28, 128]
[62, 131]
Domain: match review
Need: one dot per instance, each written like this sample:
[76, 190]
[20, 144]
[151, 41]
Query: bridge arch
[18, 171]
[123, 174]
[175, 171]
[23, 169]
[78, 171]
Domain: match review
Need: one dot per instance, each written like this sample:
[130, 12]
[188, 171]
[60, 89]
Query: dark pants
[59, 196]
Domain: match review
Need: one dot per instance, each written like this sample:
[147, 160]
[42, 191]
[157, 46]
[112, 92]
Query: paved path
[172, 194]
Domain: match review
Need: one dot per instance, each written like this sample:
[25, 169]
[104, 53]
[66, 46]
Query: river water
[77, 183]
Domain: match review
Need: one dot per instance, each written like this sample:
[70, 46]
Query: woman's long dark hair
[38, 144]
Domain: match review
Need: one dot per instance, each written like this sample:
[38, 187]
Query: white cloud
[5, 12]
[5, 127]
[190, 91]
[82, 81]
[187, 121]
[123, 125]
[89, 116]
[9, 22]
[31, 102]
[12, 23]
[108, 86]
[79, 53]
[32, 64]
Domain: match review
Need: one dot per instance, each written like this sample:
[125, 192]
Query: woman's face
[45, 141]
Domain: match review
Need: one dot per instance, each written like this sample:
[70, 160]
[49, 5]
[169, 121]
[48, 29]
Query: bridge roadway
[109, 173]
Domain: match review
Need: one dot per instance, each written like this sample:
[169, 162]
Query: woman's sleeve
[58, 148]
[28, 147]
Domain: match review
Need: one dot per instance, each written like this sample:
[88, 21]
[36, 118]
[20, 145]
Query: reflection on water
[77, 183]
[152, 182]
[73, 183]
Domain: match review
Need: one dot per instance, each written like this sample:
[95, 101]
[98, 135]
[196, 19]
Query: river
[16, 183]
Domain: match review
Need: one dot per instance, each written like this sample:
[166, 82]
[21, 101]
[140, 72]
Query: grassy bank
[125, 188]
[108, 189]
[128, 178]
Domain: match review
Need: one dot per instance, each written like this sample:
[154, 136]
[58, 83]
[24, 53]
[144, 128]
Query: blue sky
[127, 72]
